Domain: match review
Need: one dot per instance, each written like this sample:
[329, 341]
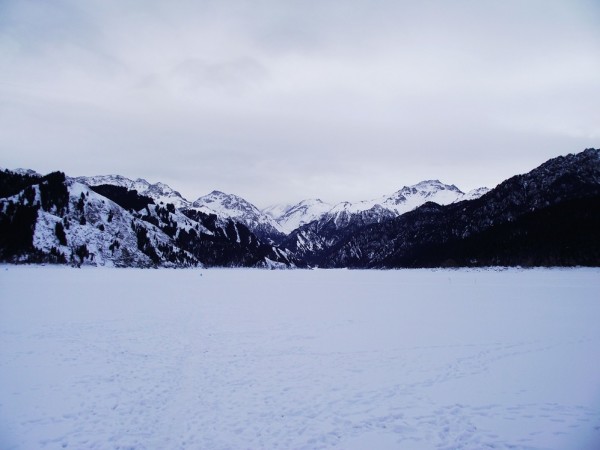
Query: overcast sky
[278, 101]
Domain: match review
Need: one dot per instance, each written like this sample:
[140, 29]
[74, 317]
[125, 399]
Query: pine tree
[59, 230]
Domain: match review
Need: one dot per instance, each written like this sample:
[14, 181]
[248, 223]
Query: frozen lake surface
[250, 359]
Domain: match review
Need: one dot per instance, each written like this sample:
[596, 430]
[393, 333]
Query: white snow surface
[102, 358]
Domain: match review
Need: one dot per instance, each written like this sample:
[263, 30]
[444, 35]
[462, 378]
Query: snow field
[249, 359]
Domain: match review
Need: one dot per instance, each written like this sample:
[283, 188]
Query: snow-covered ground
[250, 359]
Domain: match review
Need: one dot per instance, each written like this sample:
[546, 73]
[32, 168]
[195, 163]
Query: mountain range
[549, 216]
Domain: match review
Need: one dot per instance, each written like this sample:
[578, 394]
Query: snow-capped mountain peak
[162, 190]
[427, 188]
[236, 208]
[26, 172]
[411, 197]
[227, 205]
[159, 192]
[435, 184]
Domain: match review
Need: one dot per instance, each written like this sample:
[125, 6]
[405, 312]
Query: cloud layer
[280, 101]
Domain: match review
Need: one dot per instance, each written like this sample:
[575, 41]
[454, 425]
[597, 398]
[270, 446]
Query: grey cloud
[281, 100]
[236, 75]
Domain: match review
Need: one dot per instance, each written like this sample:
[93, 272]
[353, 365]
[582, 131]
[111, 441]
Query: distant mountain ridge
[315, 236]
[409, 197]
[273, 223]
[549, 216]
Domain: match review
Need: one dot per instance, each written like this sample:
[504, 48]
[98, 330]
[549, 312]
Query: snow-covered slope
[102, 232]
[159, 192]
[277, 210]
[236, 208]
[59, 220]
[291, 217]
[475, 193]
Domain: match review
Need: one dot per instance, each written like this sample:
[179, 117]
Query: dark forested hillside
[565, 234]
[529, 219]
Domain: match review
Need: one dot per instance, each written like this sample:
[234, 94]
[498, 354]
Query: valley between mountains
[549, 216]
